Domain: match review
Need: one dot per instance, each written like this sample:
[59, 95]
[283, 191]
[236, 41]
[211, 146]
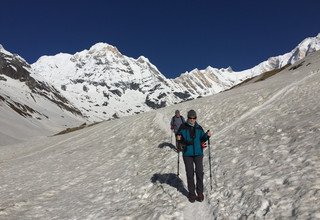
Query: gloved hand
[203, 145]
[180, 147]
[209, 133]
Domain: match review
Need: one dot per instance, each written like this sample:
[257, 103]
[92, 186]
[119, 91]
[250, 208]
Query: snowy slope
[265, 160]
[29, 107]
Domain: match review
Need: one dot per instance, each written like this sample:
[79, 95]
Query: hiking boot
[192, 199]
[200, 197]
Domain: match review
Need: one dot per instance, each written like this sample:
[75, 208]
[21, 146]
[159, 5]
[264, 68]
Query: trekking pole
[210, 161]
[178, 162]
[178, 150]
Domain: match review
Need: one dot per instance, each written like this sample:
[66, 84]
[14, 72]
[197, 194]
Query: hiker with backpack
[176, 121]
[191, 137]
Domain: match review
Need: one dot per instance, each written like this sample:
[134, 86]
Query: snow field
[265, 161]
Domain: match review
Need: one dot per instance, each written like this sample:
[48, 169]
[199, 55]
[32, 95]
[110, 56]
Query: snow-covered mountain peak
[210, 68]
[9, 55]
[143, 59]
[56, 58]
[29, 101]
[306, 47]
[60, 63]
[187, 73]
[103, 48]
[102, 82]
[11, 60]
[310, 42]
[229, 69]
[2, 50]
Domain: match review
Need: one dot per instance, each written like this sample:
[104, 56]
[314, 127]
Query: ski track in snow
[126, 168]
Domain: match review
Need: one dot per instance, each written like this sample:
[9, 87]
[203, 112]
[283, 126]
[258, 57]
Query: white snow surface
[45, 117]
[265, 160]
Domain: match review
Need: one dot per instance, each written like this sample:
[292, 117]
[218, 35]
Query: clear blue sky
[176, 35]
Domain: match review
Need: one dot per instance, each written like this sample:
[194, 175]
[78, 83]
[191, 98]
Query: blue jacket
[191, 138]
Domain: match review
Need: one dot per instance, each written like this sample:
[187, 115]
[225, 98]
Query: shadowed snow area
[265, 160]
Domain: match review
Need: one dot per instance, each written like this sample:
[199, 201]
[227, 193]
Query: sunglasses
[192, 118]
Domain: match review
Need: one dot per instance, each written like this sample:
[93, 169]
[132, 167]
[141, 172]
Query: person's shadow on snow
[171, 179]
[166, 144]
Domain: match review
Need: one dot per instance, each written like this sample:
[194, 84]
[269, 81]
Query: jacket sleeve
[171, 123]
[204, 136]
[179, 131]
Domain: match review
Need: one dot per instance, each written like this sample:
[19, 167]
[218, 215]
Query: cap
[177, 112]
[192, 114]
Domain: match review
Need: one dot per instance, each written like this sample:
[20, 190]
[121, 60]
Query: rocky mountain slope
[29, 106]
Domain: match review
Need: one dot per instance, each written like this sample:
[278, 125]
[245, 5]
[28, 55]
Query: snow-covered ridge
[306, 47]
[222, 79]
[35, 107]
[2, 50]
[9, 56]
[101, 83]
[104, 83]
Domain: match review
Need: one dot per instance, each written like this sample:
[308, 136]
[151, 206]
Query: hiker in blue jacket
[190, 137]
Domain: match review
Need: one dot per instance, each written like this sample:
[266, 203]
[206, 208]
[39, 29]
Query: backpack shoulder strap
[173, 120]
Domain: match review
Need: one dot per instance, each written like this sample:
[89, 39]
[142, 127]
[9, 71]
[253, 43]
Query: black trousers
[194, 164]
